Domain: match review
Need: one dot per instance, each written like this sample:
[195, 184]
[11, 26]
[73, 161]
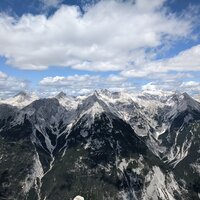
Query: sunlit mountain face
[99, 100]
[104, 145]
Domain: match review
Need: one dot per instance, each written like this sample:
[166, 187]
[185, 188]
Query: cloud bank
[109, 36]
[124, 39]
[80, 84]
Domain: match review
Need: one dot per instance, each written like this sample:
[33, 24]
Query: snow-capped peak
[95, 109]
[22, 94]
[61, 95]
[185, 101]
[21, 99]
[159, 93]
[94, 105]
[90, 101]
[104, 92]
[182, 103]
[188, 102]
[114, 97]
[68, 102]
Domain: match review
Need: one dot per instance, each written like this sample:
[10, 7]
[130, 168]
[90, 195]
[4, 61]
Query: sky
[77, 46]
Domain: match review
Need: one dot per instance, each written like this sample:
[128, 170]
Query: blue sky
[76, 46]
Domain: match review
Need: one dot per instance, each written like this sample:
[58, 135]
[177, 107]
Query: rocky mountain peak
[22, 94]
[21, 99]
[61, 95]
[187, 102]
[118, 144]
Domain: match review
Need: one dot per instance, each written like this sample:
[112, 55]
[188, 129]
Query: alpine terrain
[101, 146]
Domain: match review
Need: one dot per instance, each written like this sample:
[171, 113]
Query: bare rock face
[102, 146]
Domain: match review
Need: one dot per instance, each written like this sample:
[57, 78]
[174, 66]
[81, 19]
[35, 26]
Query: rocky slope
[105, 145]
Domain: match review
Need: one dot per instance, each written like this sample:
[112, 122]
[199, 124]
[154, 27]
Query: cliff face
[104, 146]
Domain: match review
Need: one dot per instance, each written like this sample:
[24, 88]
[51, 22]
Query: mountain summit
[106, 145]
[21, 99]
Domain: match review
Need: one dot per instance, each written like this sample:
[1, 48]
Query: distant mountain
[106, 145]
[21, 99]
[68, 102]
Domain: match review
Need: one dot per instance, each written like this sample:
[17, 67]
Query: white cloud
[150, 74]
[159, 86]
[10, 85]
[163, 87]
[186, 61]
[115, 78]
[3, 75]
[78, 84]
[191, 87]
[137, 73]
[69, 80]
[109, 36]
[190, 84]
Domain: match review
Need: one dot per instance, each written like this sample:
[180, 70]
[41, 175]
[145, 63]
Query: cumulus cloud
[108, 36]
[79, 84]
[191, 87]
[150, 74]
[10, 85]
[156, 86]
[2, 75]
[73, 81]
[190, 84]
[186, 61]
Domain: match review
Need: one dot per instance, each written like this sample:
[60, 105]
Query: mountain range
[102, 146]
